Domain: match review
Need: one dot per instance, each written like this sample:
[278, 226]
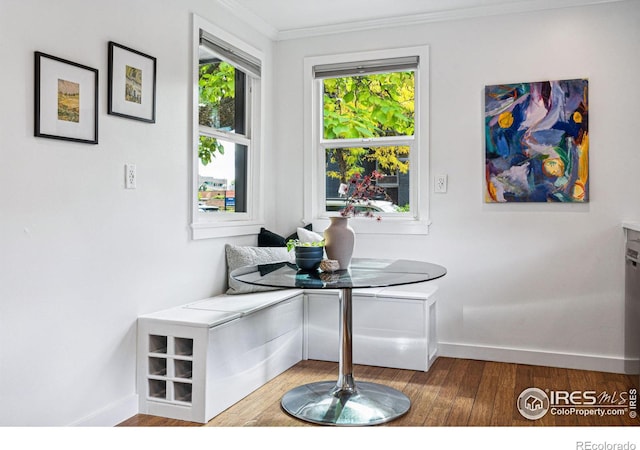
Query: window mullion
[367, 142]
[222, 135]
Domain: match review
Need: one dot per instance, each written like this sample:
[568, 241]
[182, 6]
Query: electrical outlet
[130, 176]
[440, 184]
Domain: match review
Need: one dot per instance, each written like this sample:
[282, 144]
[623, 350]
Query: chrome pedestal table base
[322, 403]
[343, 402]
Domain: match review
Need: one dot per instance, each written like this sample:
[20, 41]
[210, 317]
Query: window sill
[208, 230]
[388, 225]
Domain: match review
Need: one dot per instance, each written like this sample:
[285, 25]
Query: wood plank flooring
[455, 392]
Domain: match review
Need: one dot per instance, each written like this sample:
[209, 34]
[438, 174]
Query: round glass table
[343, 402]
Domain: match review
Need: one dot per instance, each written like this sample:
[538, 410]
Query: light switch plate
[440, 184]
[130, 176]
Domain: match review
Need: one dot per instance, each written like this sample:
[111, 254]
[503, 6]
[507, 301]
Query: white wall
[536, 283]
[80, 256]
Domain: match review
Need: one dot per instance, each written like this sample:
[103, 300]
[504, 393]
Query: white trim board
[533, 357]
[111, 415]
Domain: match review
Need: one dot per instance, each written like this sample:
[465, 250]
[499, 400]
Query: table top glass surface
[363, 273]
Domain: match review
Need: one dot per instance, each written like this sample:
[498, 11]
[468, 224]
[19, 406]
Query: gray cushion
[238, 256]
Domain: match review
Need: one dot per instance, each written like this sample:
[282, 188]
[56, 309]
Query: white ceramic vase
[339, 241]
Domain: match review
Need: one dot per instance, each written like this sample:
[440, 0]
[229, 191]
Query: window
[368, 111]
[226, 174]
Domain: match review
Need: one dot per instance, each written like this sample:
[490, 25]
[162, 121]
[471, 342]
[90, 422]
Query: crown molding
[402, 21]
[252, 19]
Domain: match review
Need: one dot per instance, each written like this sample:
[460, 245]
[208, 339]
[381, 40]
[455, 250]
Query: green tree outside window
[368, 107]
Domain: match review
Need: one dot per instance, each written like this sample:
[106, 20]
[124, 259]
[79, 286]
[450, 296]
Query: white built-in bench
[196, 360]
[392, 327]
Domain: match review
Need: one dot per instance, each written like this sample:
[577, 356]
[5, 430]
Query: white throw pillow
[305, 235]
[238, 256]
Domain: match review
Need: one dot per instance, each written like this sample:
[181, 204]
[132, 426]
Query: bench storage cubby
[196, 360]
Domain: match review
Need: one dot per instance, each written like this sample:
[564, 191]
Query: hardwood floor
[455, 392]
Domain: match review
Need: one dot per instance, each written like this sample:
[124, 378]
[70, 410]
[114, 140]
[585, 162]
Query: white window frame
[415, 222]
[208, 225]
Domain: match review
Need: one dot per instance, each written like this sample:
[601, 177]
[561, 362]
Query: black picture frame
[132, 84]
[65, 100]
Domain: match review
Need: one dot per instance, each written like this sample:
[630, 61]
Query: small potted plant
[308, 254]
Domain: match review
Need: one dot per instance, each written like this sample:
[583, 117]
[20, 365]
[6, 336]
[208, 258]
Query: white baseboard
[533, 357]
[112, 414]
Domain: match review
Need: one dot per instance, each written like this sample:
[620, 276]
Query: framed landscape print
[66, 100]
[132, 84]
[537, 142]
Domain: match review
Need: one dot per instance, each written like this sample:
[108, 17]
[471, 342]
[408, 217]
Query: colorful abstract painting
[537, 142]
